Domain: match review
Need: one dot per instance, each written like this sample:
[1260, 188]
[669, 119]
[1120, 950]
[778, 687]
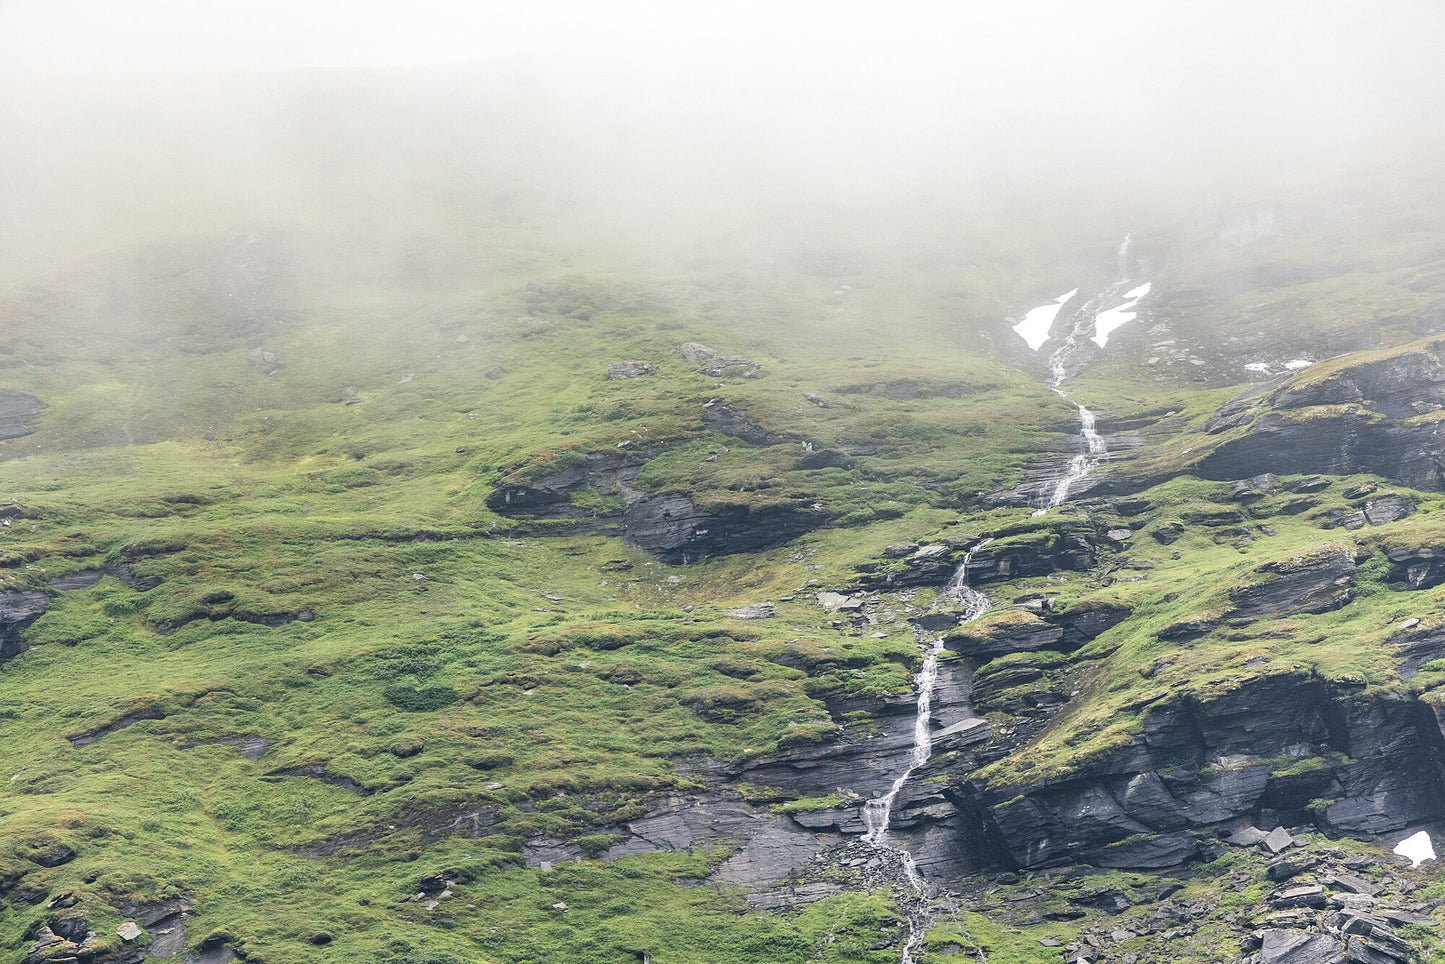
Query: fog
[156, 118]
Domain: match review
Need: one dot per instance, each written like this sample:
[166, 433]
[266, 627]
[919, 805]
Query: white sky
[1034, 87]
[181, 35]
[105, 36]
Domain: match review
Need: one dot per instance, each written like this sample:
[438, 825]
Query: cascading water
[1094, 321]
[1094, 450]
[877, 813]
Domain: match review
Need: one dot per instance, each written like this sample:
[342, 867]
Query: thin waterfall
[878, 813]
[1093, 451]
[1093, 448]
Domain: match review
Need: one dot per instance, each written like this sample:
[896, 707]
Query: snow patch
[1417, 847]
[1298, 363]
[1034, 329]
[1258, 366]
[1107, 322]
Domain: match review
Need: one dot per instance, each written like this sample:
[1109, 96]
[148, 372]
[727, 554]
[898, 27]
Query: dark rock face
[1300, 947]
[668, 525]
[1364, 765]
[550, 494]
[1355, 420]
[931, 565]
[1037, 553]
[1418, 567]
[770, 846]
[1316, 582]
[729, 420]
[1014, 632]
[1168, 533]
[1388, 508]
[18, 609]
[1417, 649]
[17, 415]
[865, 766]
[1403, 385]
[675, 530]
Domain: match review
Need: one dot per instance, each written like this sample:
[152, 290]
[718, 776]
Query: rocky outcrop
[622, 370]
[709, 362]
[1418, 647]
[18, 609]
[1313, 582]
[17, 415]
[730, 420]
[1417, 567]
[911, 565]
[677, 531]
[1378, 416]
[1404, 383]
[1036, 552]
[767, 846]
[550, 493]
[1008, 631]
[1292, 746]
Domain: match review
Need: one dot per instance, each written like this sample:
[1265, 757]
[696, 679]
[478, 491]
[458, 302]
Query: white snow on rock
[1258, 366]
[1297, 364]
[1417, 847]
[1107, 322]
[1034, 329]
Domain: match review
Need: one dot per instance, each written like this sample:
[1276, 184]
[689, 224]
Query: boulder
[1307, 895]
[1388, 508]
[1249, 490]
[735, 366]
[1314, 581]
[622, 370]
[1167, 533]
[839, 602]
[1300, 947]
[1278, 840]
[1310, 483]
[696, 352]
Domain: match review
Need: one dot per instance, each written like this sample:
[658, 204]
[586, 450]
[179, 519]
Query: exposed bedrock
[677, 531]
[551, 494]
[1380, 417]
[18, 609]
[1291, 748]
[1063, 546]
[1417, 567]
[670, 526]
[17, 415]
[1313, 582]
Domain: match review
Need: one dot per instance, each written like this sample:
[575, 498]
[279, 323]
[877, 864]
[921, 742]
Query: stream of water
[878, 813]
[1093, 450]
[1102, 321]
[1093, 317]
